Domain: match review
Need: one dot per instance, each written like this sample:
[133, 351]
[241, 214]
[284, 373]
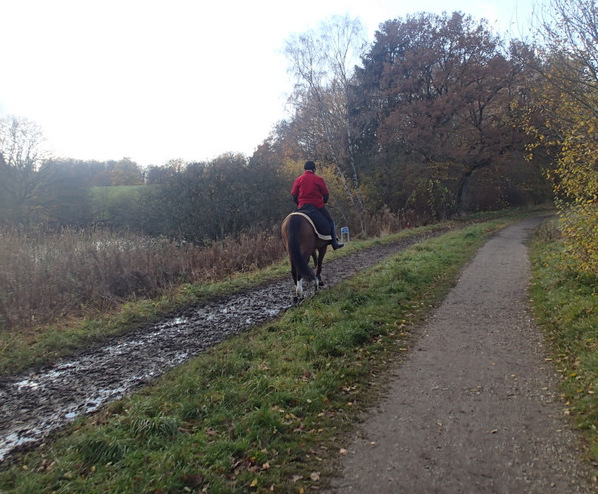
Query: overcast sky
[155, 80]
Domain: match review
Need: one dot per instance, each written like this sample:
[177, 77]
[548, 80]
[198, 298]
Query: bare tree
[322, 63]
[568, 30]
[20, 157]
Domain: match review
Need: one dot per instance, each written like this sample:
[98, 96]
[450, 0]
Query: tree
[272, 196]
[156, 175]
[229, 195]
[21, 154]
[63, 192]
[568, 42]
[125, 172]
[322, 62]
[442, 91]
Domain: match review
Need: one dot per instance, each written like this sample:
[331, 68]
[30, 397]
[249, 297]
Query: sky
[157, 80]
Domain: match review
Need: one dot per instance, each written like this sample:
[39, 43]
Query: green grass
[566, 305]
[267, 410]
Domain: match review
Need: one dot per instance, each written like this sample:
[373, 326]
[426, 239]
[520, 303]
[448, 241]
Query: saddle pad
[327, 238]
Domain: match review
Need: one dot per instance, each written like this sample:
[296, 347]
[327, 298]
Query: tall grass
[48, 276]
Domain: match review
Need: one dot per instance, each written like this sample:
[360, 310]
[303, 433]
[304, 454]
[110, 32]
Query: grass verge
[268, 410]
[565, 304]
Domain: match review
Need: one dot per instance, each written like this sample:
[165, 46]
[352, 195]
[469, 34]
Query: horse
[302, 242]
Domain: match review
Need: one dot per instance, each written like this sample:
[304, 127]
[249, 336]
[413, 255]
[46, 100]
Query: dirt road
[474, 408]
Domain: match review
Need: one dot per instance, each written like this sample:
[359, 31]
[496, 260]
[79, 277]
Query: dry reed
[46, 277]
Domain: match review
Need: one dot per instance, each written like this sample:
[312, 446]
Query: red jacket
[309, 188]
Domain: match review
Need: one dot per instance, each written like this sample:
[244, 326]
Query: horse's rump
[300, 238]
[318, 221]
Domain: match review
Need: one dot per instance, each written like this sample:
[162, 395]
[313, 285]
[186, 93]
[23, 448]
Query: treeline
[438, 115]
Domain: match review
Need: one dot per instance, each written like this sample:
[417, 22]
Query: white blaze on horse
[302, 241]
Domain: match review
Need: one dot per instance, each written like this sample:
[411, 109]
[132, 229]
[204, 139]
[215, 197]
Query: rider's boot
[335, 243]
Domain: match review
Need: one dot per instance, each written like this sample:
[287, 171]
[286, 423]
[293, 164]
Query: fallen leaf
[315, 476]
[343, 452]
[297, 478]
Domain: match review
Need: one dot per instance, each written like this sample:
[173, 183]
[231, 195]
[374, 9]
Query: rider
[309, 188]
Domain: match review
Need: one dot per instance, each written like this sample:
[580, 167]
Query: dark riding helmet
[309, 165]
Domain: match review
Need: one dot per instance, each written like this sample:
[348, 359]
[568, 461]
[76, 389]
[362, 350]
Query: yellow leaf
[253, 483]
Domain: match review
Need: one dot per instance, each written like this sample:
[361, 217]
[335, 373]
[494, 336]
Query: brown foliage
[443, 91]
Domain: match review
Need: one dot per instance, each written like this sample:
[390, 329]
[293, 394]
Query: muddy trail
[38, 403]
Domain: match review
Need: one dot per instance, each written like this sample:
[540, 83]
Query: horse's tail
[298, 261]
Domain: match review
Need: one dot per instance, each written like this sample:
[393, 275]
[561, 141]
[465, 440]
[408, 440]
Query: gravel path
[474, 407]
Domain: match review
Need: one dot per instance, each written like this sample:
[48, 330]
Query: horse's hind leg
[298, 291]
[319, 281]
[318, 256]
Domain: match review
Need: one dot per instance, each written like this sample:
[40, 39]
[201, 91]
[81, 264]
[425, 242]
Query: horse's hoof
[296, 300]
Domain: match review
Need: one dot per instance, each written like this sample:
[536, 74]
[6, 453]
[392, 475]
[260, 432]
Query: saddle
[318, 221]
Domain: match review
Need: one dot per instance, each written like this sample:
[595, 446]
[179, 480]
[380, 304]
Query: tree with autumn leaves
[428, 119]
[444, 92]
[567, 97]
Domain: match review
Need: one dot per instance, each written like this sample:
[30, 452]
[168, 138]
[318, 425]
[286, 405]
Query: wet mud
[36, 404]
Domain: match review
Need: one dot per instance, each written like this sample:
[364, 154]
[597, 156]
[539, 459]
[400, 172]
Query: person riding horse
[309, 188]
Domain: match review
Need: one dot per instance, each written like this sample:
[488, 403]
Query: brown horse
[302, 242]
